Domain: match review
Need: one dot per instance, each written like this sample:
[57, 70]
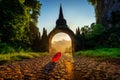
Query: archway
[61, 26]
[67, 31]
[61, 42]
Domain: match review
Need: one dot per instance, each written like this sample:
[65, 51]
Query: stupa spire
[60, 21]
[61, 13]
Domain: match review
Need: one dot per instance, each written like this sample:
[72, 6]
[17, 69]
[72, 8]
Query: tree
[78, 31]
[97, 35]
[114, 40]
[85, 30]
[96, 30]
[78, 39]
[34, 9]
[92, 1]
[44, 41]
[14, 19]
[34, 37]
[34, 34]
[18, 22]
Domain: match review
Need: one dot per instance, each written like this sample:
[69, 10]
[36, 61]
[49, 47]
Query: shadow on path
[48, 68]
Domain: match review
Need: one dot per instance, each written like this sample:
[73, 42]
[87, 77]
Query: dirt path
[67, 68]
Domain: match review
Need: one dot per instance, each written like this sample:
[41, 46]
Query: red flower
[56, 57]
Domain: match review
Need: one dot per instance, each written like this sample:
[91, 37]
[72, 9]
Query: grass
[4, 58]
[113, 53]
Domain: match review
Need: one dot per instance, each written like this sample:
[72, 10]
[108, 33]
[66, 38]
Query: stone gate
[61, 26]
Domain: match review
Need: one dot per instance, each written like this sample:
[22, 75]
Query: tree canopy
[92, 1]
[17, 20]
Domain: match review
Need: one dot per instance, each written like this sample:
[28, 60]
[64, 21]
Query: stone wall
[108, 12]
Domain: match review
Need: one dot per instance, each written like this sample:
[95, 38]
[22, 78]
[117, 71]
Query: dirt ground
[67, 68]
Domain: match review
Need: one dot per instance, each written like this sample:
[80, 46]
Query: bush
[12, 48]
[5, 48]
[101, 52]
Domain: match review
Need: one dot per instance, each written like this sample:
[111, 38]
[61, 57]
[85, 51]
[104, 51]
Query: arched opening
[66, 31]
[61, 42]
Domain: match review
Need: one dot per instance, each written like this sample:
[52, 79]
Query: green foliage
[80, 39]
[97, 36]
[85, 30]
[34, 6]
[5, 48]
[34, 35]
[78, 31]
[96, 30]
[19, 56]
[21, 1]
[92, 1]
[90, 37]
[44, 41]
[18, 20]
[114, 40]
[13, 18]
[101, 52]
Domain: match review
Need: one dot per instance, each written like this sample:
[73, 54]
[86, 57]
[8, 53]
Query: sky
[76, 12]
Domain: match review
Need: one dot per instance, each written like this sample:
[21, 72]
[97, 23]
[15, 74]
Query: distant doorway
[61, 42]
[69, 36]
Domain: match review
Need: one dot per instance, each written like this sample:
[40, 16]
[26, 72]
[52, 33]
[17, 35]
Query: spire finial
[61, 12]
[60, 21]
